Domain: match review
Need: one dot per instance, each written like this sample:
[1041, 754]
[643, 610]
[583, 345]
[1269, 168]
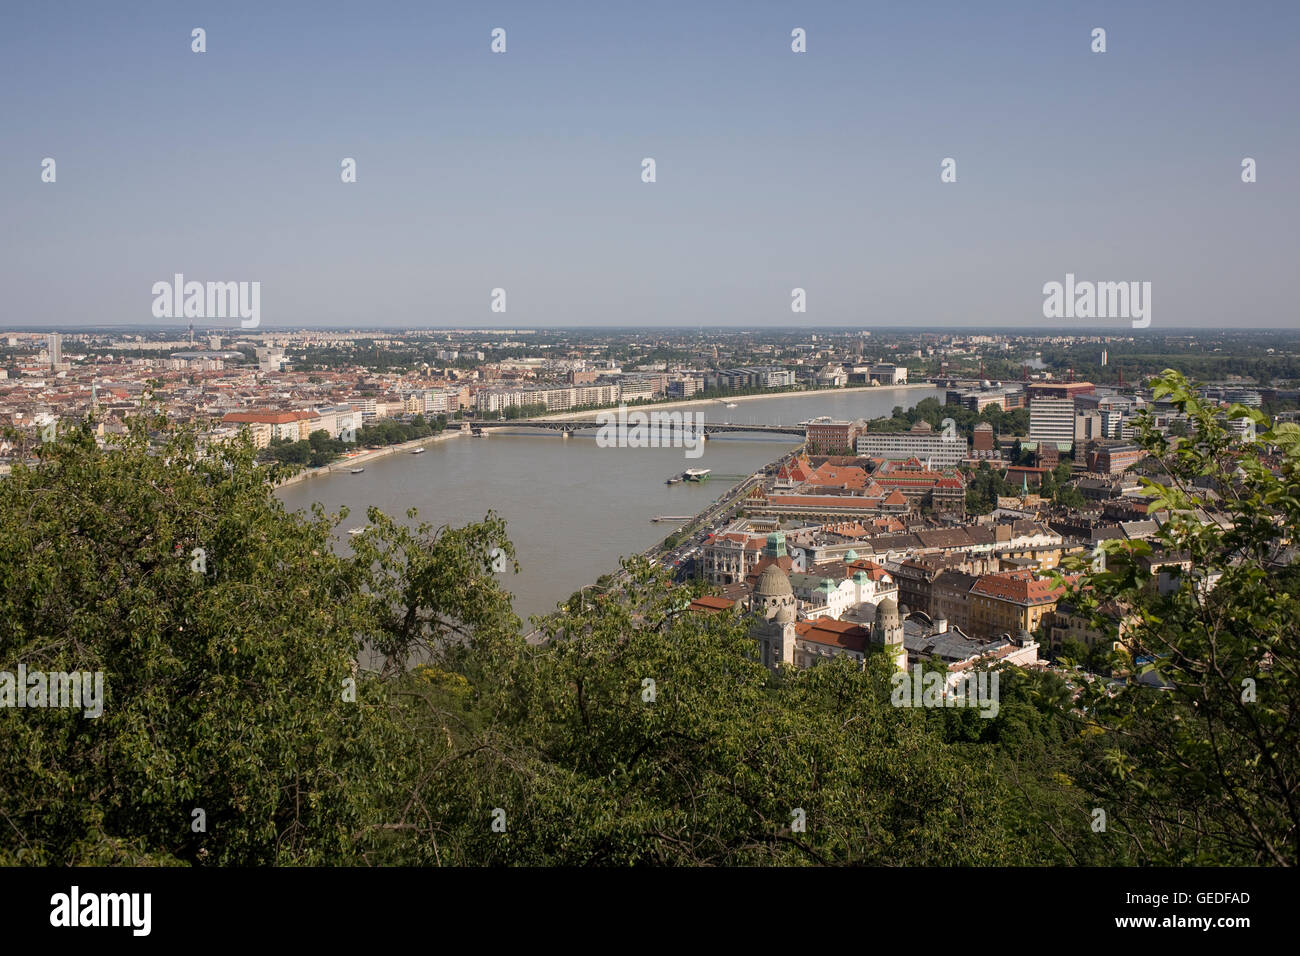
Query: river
[572, 508]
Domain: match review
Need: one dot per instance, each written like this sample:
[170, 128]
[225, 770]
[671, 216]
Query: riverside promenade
[360, 458]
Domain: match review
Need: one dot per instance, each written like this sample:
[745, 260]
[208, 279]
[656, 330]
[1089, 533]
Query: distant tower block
[1104, 357]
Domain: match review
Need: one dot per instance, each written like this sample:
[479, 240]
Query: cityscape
[640, 489]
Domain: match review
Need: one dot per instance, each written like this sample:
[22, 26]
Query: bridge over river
[570, 426]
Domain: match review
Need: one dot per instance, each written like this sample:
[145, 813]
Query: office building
[1052, 419]
[922, 442]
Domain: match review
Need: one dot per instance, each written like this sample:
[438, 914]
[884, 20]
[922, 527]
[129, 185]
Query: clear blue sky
[775, 169]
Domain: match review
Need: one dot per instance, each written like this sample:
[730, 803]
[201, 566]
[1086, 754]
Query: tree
[1047, 485]
[650, 734]
[1207, 768]
[235, 726]
[1068, 496]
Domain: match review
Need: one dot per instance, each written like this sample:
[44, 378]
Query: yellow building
[1007, 602]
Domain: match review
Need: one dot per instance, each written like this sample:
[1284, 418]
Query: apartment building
[1068, 624]
[555, 399]
[834, 438]
[950, 597]
[1011, 601]
[336, 419]
[1113, 458]
[280, 425]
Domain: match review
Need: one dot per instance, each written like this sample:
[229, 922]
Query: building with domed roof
[784, 639]
[887, 631]
[774, 607]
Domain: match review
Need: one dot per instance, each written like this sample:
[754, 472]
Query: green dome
[850, 555]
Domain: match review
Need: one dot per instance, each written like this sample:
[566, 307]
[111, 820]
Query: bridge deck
[570, 425]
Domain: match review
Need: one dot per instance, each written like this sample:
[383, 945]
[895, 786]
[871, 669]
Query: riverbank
[691, 402]
[346, 464]
[453, 426]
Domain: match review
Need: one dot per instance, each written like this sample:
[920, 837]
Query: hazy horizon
[229, 334]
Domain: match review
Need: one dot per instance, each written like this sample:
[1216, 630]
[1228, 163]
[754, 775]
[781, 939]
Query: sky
[775, 170]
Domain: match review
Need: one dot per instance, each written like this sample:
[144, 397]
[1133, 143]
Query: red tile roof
[873, 571]
[1019, 587]
[709, 604]
[833, 633]
[266, 418]
[825, 501]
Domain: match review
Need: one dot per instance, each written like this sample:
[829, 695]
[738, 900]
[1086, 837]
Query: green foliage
[1206, 770]
[223, 677]
[1069, 496]
[319, 449]
[1015, 422]
[983, 486]
[710, 762]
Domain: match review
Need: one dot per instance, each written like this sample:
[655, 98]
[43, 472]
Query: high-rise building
[1052, 419]
[1059, 389]
[1088, 425]
[55, 347]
